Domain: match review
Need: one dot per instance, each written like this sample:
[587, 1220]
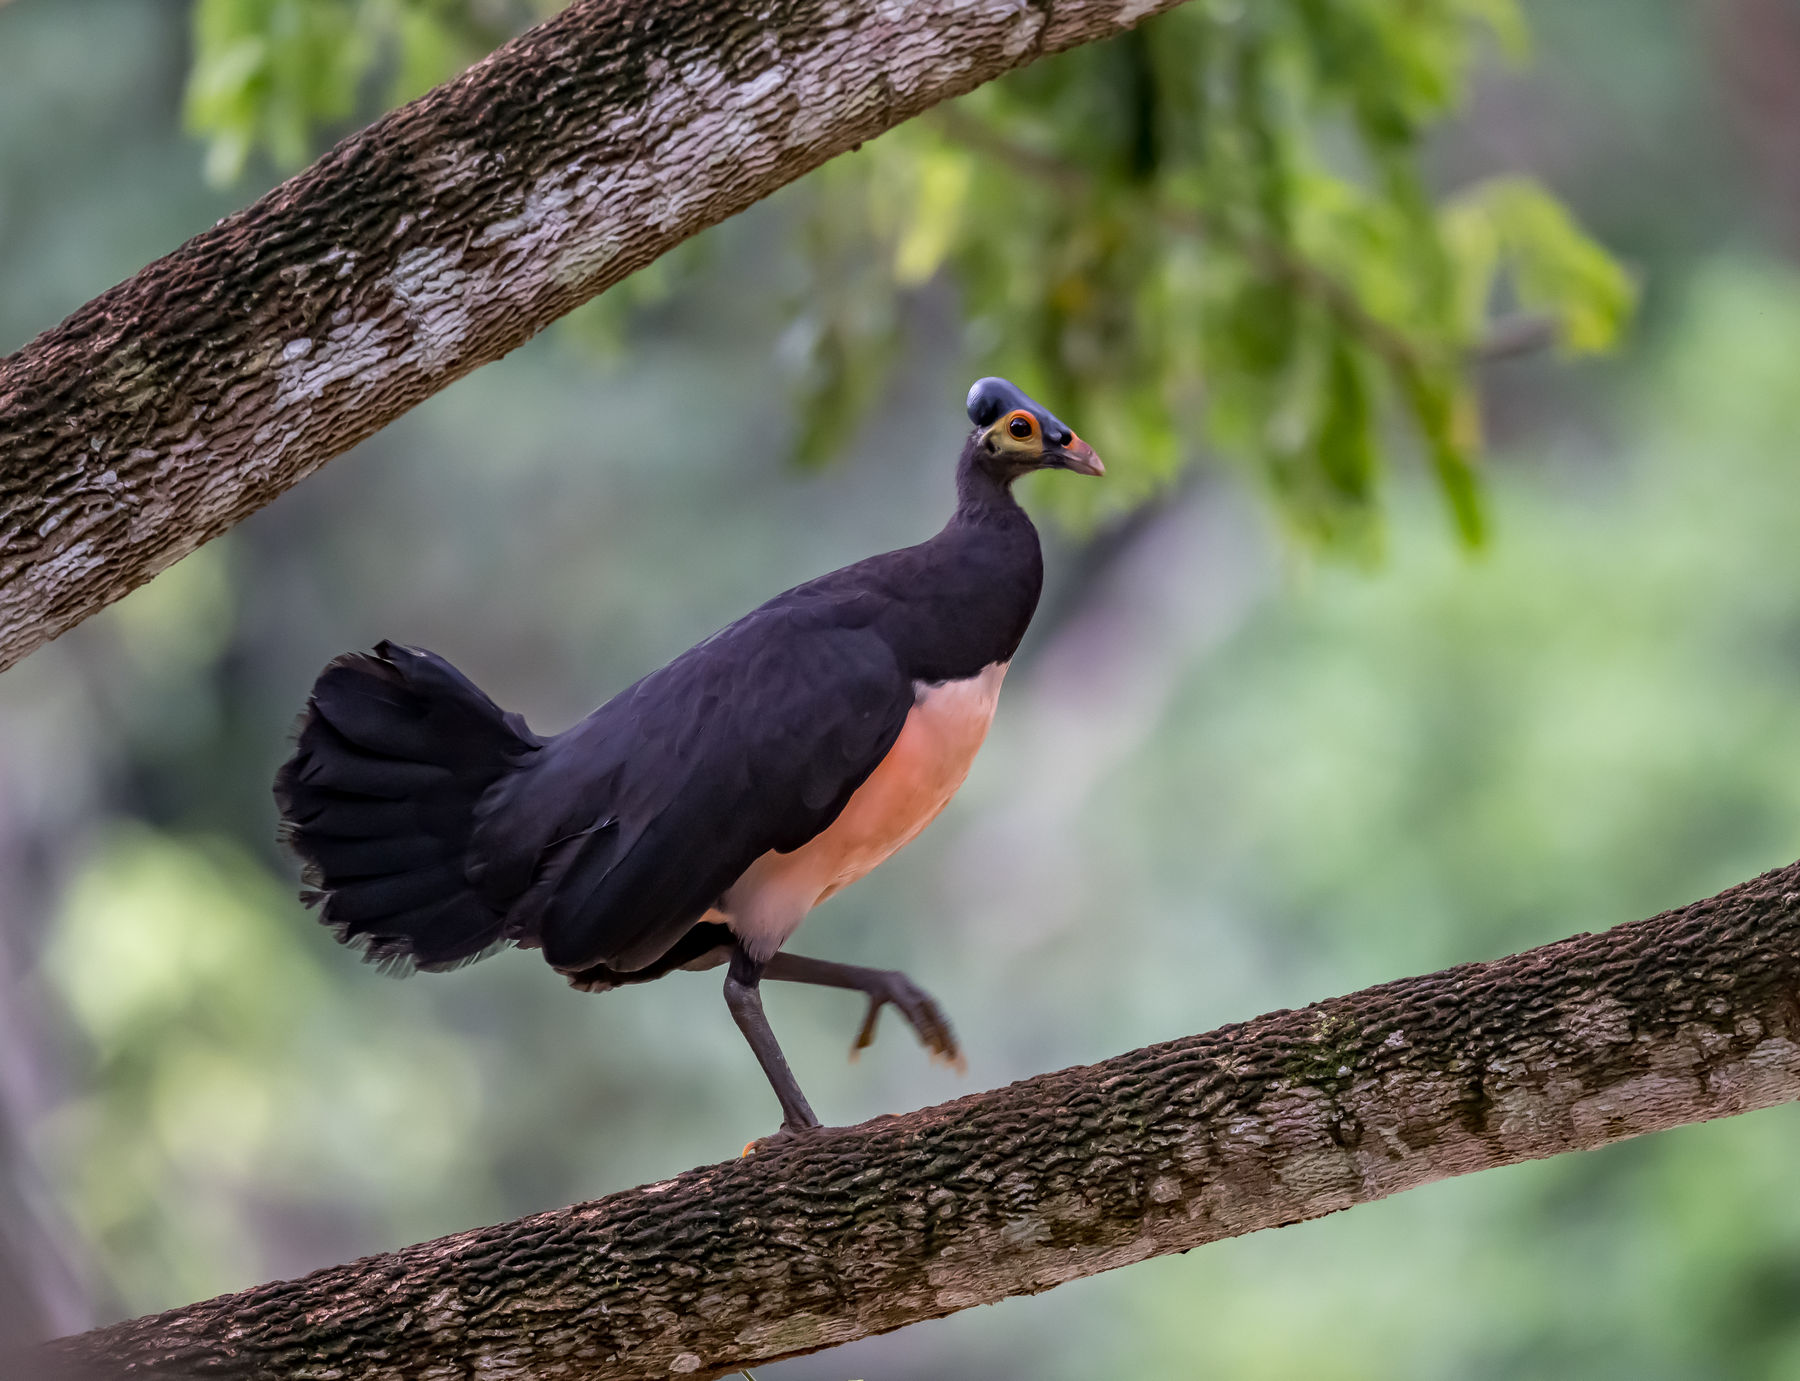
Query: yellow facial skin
[1018, 436]
[1020, 439]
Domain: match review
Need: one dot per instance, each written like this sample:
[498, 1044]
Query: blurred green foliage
[1214, 228]
[1209, 234]
[269, 75]
[224, 1063]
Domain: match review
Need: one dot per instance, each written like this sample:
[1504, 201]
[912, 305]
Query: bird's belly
[916, 780]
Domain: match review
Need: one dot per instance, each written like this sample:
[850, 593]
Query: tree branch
[436, 240]
[1692, 1015]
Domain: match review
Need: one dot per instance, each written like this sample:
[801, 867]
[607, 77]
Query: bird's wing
[753, 741]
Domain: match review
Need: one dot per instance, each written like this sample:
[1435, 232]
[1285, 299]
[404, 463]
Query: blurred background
[1235, 768]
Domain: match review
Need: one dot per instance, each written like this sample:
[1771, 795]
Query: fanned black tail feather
[378, 801]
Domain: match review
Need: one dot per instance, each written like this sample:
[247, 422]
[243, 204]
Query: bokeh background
[1227, 776]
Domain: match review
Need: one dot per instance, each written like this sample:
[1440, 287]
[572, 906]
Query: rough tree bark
[1692, 1015]
[436, 240]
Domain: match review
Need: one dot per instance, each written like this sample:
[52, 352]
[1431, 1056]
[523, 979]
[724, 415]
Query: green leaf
[1513, 226]
[1449, 421]
[939, 191]
[1346, 439]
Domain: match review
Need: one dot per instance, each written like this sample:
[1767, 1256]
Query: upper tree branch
[441, 237]
[1692, 1015]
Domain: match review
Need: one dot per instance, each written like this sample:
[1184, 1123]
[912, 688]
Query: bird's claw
[925, 1016]
[784, 1135]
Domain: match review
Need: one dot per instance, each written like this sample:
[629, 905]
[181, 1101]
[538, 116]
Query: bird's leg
[882, 987]
[744, 998]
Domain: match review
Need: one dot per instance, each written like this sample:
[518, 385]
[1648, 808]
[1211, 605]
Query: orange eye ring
[1022, 426]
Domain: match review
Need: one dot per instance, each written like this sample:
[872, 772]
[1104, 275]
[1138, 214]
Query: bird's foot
[921, 1010]
[789, 1134]
[785, 1135]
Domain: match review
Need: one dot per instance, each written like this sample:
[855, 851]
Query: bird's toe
[785, 1135]
[922, 1013]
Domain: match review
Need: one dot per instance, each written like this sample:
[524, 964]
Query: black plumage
[690, 820]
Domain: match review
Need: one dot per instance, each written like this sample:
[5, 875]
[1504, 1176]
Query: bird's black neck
[972, 588]
[983, 497]
[953, 604]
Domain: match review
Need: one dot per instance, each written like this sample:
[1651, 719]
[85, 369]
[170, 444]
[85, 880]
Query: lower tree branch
[1692, 1015]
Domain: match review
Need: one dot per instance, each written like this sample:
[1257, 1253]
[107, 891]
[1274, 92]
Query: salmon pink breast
[906, 791]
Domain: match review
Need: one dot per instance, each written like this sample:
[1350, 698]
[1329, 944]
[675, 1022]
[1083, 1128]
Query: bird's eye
[1021, 426]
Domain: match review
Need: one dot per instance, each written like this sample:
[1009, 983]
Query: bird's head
[1014, 436]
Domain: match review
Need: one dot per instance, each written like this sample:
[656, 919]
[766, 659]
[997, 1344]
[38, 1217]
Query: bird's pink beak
[1079, 457]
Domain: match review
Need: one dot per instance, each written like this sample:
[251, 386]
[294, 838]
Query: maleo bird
[696, 817]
